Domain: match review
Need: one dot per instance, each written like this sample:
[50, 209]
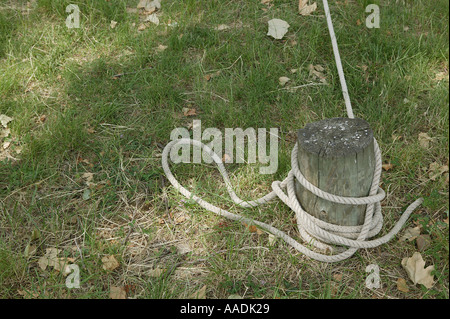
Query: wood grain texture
[337, 156]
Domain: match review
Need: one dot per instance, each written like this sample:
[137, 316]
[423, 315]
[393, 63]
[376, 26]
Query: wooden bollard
[337, 156]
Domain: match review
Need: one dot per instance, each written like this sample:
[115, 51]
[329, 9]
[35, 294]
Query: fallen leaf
[117, 293]
[221, 27]
[142, 4]
[149, 10]
[152, 18]
[423, 242]
[304, 9]
[253, 229]
[183, 248]
[424, 140]
[35, 234]
[161, 48]
[148, 5]
[51, 259]
[50, 254]
[441, 76]
[410, 234]
[199, 294]
[88, 177]
[271, 239]
[30, 250]
[435, 170]
[110, 263]
[4, 120]
[5, 132]
[142, 27]
[113, 24]
[86, 194]
[27, 294]
[189, 112]
[156, 4]
[402, 285]
[283, 80]
[172, 24]
[18, 149]
[387, 166]
[415, 268]
[277, 28]
[316, 71]
[358, 22]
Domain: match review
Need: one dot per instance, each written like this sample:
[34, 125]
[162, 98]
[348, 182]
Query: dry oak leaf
[435, 170]
[283, 80]
[402, 285]
[58, 263]
[4, 120]
[277, 28]
[410, 234]
[423, 242]
[117, 293]
[316, 70]
[424, 140]
[441, 76]
[221, 27]
[189, 112]
[387, 166]
[110, 262]
[304, 9]
[415, 268]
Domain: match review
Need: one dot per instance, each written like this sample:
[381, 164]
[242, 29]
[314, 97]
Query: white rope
[313, 231]
[337, 58]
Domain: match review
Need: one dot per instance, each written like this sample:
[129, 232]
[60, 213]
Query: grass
[71, 116]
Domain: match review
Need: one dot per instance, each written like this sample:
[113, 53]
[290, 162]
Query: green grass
[71, 117]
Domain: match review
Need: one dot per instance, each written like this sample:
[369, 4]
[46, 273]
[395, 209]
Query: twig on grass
[293, 88]
[212, 93]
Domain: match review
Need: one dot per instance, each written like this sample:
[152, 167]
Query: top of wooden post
[335, 137]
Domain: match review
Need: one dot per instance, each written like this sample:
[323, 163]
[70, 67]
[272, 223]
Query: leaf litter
[415, 268]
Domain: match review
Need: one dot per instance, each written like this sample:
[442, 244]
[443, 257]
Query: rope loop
[313, 231]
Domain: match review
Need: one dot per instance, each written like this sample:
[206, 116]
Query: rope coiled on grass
[313, 231]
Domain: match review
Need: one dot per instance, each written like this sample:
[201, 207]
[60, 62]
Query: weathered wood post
[337, 156]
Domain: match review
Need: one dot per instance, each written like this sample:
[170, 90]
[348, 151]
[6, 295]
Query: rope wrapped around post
[313, 231]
